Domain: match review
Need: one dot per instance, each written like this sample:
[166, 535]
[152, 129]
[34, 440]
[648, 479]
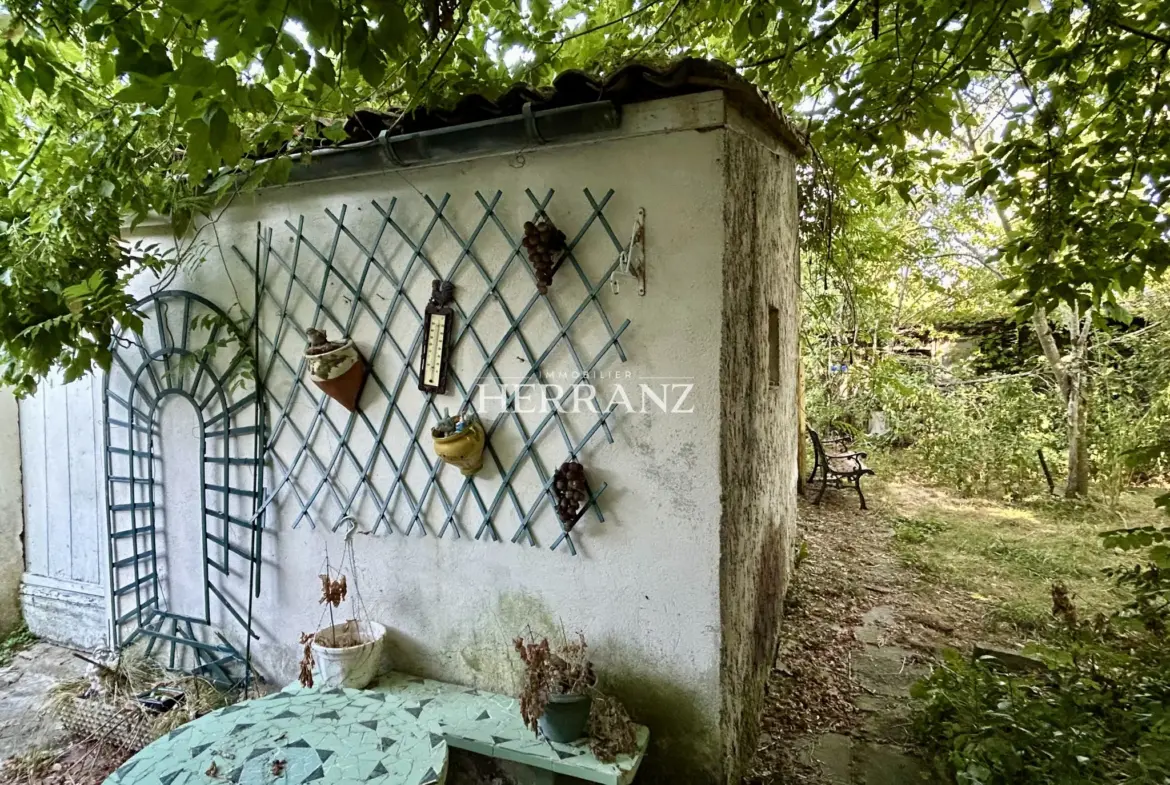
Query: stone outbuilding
[193, 496]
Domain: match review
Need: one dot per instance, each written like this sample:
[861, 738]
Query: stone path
[25, 721]
[860, 629]
[876, 752]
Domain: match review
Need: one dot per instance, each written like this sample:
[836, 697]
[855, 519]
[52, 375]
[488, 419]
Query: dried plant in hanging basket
[341, 652]
[332, 591]
[545, 245]
[306, 672]
[571, 491]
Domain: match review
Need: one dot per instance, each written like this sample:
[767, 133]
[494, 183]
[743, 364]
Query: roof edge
[631, 84]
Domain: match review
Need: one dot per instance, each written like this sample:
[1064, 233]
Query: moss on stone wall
[759, 431]
[684, 743]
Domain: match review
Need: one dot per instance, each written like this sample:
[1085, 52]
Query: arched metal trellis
[188, 349]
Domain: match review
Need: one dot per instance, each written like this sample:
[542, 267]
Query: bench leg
[824, 484]
[860, 495]
[816, 465]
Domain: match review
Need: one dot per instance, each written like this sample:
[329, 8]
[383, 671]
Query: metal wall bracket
[632, 260]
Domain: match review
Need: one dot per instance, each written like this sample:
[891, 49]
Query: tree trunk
[1077, 409]
[1071, 380]
[1071, 375]
[1078, 448]
[1051, 351]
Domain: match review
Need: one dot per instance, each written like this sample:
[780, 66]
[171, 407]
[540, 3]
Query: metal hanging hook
[353, 525]
[632, 261]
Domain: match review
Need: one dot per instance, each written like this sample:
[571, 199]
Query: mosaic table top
[326, 737]
[490, 725]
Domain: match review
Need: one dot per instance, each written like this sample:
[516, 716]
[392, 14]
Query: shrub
[980, 433]
[1099, 712]
[979, 437]
[1098, 715]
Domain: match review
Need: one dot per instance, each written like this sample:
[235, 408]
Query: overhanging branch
[819, 38]
[1161, 39]
[28, 162]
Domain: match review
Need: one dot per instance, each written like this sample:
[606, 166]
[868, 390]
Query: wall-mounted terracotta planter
[339, 372]
[463, 449]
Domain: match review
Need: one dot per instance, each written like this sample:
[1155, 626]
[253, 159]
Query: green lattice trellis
[322, 433]
[240, 428]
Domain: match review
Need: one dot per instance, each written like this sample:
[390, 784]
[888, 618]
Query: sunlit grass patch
[1008, 556]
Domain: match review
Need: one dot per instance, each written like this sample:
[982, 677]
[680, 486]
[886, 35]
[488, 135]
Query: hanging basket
[353, 666]
[463, 449]
[340, 373]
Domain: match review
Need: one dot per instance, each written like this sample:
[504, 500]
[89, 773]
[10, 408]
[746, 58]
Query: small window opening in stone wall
[773, 347]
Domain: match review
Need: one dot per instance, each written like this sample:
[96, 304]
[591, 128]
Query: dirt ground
[24, 688]
[44, 753]
[860, 628]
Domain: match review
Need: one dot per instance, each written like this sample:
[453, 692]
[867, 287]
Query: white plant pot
[352, 666]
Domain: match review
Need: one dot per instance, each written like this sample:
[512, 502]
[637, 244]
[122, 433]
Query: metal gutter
[525, 130]
[515, 132]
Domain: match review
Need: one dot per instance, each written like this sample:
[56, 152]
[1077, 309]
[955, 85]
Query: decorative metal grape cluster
[545, 244]
[571, 492]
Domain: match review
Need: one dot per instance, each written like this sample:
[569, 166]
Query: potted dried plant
[347, 654]
[558, 687]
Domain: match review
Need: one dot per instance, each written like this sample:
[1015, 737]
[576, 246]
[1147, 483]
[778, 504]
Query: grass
[19, 638]
[1009, 555]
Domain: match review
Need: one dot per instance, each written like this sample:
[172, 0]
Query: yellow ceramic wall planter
[463, 449]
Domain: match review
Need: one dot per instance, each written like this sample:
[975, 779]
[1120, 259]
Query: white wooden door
[64, 590]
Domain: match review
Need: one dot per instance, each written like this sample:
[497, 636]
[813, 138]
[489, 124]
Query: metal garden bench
[837, 467]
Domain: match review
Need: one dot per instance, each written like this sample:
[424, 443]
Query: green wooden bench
[489, 724]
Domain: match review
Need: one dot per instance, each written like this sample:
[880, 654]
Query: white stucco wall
[670, 635]
[644, 587]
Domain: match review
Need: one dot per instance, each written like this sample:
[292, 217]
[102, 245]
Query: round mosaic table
[326, 737]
